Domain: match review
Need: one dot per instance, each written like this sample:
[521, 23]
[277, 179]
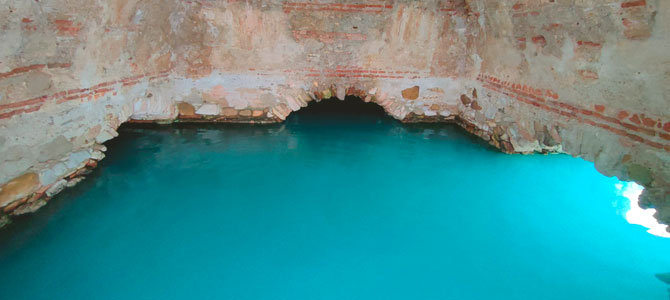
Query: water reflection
[638, 216]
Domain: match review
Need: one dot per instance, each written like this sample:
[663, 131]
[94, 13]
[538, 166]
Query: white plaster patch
[208, 110]
[88, 75]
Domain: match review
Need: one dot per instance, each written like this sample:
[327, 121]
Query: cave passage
[339, 202]
[350, 106]
[336, 112]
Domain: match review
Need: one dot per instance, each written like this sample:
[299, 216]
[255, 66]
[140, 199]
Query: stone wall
[594, 77]
[69, 72]
[588, 78]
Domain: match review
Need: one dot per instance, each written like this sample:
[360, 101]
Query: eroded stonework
[588, 78]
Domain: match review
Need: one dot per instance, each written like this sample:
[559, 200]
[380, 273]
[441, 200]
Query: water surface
[331, 206]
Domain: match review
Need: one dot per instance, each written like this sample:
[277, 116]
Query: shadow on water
[665, 277]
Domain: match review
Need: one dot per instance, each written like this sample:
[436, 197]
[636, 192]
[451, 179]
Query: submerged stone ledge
[31, 191]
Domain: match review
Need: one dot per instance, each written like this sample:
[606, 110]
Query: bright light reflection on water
[638, 216]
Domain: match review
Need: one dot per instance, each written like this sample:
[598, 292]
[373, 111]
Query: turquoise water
[331, 207]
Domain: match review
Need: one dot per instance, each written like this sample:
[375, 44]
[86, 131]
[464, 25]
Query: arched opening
[351, 108]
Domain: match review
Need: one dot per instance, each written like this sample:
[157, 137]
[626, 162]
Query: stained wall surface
[588, 78]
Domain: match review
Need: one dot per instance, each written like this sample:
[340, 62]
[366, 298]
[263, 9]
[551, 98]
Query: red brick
[649, 122]
[630, 4]
[539, 40]
[622, 115]
[635, 119]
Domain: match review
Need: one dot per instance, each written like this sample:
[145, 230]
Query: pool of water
[331, 207]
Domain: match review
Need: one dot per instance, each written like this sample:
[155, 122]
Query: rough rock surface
[584, 77]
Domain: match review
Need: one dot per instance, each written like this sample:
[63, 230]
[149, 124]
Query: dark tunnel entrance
[333, 109]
